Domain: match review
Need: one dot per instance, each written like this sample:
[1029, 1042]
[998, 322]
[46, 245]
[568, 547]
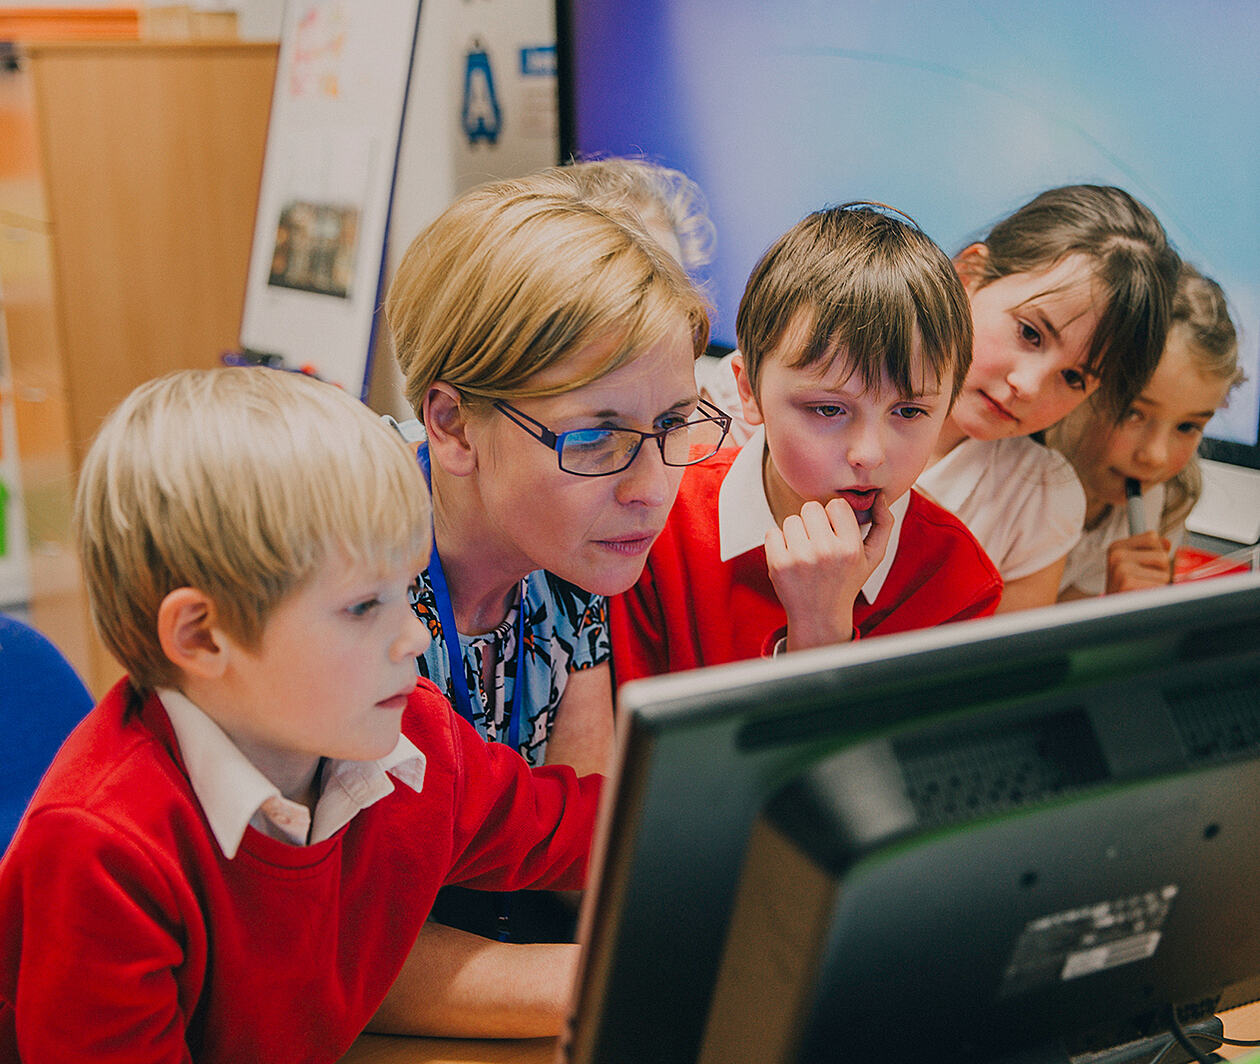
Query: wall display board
[323, 208]
[481, 106]
[506, 85]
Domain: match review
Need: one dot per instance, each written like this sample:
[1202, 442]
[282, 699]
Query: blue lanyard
[461, 698]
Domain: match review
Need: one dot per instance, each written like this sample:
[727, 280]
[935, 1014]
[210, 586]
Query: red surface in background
[1189, 558]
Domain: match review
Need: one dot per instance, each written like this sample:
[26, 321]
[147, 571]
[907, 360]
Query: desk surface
[396, 1049]
[1243, 1023]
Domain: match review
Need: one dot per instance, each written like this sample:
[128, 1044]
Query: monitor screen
[955, 112]
[1037, 830]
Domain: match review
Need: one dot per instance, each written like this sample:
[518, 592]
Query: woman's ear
[747, 400]
[446, 425]
[187, 629]
[970, 265]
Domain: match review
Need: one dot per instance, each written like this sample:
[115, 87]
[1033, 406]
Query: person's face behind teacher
[593, 531]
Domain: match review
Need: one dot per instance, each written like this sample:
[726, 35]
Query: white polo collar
[233, 792]
[744, 515]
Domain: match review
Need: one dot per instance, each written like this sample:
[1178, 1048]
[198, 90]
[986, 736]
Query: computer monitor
[955, 112]
[1020, 836]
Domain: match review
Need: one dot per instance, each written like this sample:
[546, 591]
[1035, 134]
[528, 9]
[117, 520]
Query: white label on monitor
[1090, 938]
[1113, 954]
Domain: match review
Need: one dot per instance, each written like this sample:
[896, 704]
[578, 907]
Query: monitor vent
[1218, 719]
[962, 777]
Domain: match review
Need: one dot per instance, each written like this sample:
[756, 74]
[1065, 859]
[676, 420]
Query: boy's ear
[747, 400]
[970, 263]
[446, 425]
[187, 629]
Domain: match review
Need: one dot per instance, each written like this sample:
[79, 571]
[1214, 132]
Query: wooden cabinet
[129, 177]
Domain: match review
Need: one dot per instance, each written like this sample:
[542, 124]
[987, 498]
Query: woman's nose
[647, 479]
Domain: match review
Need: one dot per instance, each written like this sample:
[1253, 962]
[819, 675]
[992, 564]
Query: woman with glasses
[548, 346]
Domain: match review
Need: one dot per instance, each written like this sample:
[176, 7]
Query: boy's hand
[818, 563]
[1138, 562]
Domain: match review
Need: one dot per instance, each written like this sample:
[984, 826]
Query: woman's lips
[629, 545]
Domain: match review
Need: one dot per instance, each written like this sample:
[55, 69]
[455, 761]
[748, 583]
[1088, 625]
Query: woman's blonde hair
[239, 482]
[515, 276]
[1200, 313]
[1134, 274]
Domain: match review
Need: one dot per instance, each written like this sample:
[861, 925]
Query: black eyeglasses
[602, 452]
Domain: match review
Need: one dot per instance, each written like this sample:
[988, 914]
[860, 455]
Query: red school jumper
[126, 935]
[690, 608]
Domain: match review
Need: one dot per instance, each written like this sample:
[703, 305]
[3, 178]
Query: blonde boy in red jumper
[854, 336]
[232, 857]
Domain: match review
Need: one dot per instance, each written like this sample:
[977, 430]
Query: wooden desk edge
[399, 1049]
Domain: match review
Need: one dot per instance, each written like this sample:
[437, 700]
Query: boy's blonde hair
[1200, 312]
[515, 276]
[871, 282]
[239, 482]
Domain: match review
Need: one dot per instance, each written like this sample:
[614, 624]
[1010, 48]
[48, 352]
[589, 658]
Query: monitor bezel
[1231, 452]
[743, 723]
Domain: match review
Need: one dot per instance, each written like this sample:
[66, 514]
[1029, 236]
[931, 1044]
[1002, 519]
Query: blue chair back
[41, 700]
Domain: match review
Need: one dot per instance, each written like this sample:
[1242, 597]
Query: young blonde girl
[1153, 445]
[667, 202]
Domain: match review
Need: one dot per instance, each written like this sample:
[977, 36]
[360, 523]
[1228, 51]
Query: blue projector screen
[955, 112]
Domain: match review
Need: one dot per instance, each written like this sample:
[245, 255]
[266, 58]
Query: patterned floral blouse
[565, 630]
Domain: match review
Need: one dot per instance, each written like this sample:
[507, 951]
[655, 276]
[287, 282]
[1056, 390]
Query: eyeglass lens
[598, 451]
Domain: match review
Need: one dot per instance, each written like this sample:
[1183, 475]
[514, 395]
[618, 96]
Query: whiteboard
[323, 206]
